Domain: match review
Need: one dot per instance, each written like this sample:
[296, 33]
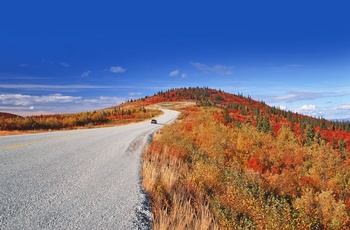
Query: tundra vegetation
[112, 116]
[234, 163]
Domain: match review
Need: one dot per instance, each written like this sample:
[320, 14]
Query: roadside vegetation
[248, 166]
[107, 117]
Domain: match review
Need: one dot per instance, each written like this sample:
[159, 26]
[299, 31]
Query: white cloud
[108, 101]
[308, 108]
[117, 69]
[23, 77]
[282, 107]
[27, 100]
[86, 73]
[64, 64]
[31, 86]
[54, 103]
[174, 73]
[343, 107]
[301, 95]
[184, 75]
[135, 93]
[287, 97]
[217, 69]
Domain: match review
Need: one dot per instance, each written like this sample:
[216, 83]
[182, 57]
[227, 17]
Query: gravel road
[81, 179]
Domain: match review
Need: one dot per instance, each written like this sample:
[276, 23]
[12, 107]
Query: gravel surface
[81, 179]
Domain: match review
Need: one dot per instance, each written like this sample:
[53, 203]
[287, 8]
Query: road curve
[80, 179]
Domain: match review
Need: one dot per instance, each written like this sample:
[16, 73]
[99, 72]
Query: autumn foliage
[237, 109]
[112, 116]
[244, 165]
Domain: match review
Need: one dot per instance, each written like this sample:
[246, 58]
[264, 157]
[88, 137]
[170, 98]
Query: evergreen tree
[309, 134]
[264, 125]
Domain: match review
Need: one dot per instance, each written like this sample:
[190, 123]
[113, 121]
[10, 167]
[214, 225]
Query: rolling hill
[231, 162]
[238, 109]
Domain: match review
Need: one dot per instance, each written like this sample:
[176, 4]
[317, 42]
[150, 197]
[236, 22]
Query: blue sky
[69, 56]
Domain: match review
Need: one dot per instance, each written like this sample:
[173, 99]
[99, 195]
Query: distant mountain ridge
[8, 115]
[342, 119]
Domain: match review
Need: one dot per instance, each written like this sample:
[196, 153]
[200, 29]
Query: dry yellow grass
[161, 175]
[184, 216]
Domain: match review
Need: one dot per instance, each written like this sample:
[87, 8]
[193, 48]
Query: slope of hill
[234, 163]
[8, 115]
[112, 116]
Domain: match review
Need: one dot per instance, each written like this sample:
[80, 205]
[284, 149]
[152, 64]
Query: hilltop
[238, 109]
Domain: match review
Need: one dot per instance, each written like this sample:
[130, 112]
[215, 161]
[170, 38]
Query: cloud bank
[26, 100]
[23, 104]
[301, 96]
